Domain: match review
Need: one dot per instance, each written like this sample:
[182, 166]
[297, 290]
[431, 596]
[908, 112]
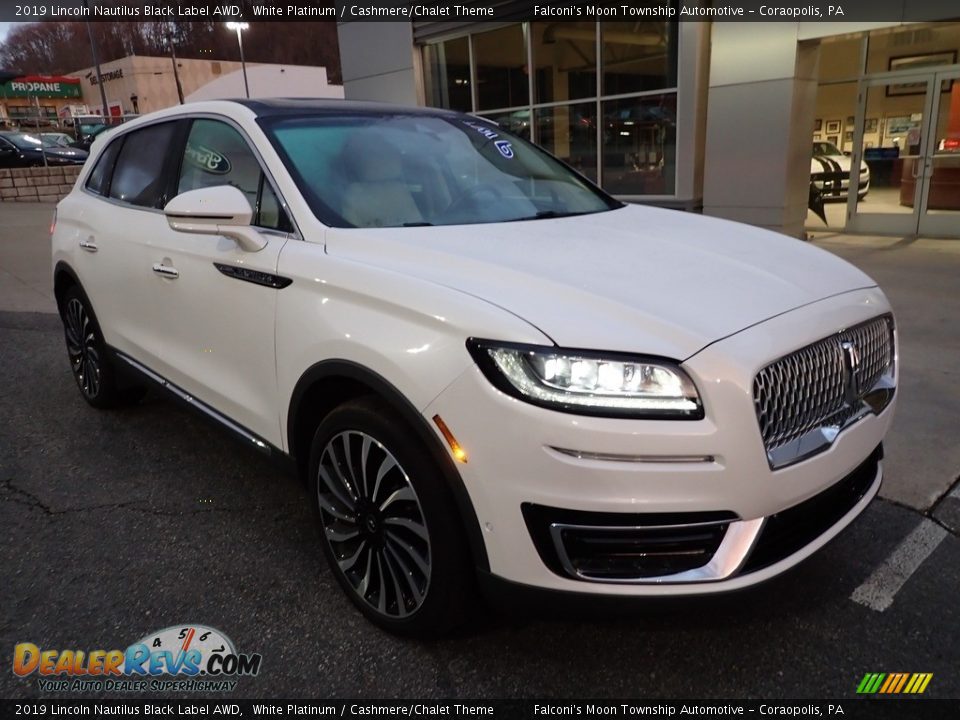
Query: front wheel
[388, 522]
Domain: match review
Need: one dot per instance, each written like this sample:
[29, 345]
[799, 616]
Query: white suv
[485, 368]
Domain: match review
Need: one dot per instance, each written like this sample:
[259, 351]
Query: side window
[138, 176]
[269, 213]
[99, 180]
[216, 154]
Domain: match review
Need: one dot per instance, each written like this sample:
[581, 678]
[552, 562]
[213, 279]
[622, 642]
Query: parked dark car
[18, 149]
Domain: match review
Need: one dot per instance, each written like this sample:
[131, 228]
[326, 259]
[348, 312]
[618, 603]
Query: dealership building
[734, 119]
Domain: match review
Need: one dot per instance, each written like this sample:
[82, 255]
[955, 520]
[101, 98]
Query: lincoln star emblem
[851, 372]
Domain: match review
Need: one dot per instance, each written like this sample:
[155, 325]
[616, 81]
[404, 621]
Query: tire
[388, 523]
[90, 361]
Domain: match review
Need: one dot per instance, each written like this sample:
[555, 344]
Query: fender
[415, 420]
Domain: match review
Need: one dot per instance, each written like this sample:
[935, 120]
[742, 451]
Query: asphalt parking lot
[116, 524]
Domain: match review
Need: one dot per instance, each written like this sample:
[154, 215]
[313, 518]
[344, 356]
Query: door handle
[89, 245]
[165, 270]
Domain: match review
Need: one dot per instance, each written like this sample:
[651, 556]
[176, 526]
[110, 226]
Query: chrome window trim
[295, 234]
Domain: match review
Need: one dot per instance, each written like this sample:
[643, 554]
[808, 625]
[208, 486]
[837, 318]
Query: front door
[218, 301]
[907, 132]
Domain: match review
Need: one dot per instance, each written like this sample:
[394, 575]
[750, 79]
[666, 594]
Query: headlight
[589, 383]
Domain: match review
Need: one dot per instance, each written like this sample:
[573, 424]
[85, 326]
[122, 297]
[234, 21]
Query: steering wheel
[470, 196]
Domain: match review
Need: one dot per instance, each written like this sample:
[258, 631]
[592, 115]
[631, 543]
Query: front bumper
[837, 185]
[680, 469]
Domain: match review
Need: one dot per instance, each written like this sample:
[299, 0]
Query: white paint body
[721, 298]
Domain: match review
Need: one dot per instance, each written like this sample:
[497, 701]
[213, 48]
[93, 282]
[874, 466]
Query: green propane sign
[42, 87]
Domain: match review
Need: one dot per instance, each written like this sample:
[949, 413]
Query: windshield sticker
[488, 132]
[207, 160]
[505, 148]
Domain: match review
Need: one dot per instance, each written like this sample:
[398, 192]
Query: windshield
[410, 170]
[24, 141]
[825, 148]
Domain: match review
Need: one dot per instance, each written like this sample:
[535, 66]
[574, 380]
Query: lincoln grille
[811, 388]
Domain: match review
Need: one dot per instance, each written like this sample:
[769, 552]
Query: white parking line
[879, 590]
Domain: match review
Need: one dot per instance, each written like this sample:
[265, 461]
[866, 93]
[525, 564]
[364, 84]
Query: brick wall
[37, 184]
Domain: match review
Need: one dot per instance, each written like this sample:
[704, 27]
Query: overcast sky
[4, 26]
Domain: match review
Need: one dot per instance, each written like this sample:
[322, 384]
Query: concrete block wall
[48, 184]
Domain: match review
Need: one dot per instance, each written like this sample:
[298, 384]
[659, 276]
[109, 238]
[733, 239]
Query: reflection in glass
[570, 133]
[565, 60]
[638, 56]
[640, 145]
[447, 75]
[516, 121]
[501, 61]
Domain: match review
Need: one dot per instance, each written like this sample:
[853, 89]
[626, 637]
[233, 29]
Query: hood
[636, 279]
[832, 163]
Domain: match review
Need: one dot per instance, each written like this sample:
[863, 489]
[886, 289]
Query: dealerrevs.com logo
[180, 658]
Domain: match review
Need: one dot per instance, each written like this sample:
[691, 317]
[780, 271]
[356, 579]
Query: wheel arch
[64, 276]
[330, 383]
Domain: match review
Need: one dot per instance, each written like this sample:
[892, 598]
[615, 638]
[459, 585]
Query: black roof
[272, 107]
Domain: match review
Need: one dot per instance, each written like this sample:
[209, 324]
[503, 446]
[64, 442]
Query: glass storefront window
[632, 139]
[565, 60]
[501, 65]
[570, 133]
[638, 57]
[447, 75]
[639, 138]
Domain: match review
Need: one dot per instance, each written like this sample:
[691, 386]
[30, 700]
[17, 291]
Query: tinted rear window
[99, 181]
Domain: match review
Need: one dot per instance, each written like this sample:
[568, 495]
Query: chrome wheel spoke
[411, 525]
[364, 455]
[348, 562]
[398, 593]
[422, 562]
[404, 493]
[406, 574]
[336, 489]
[386, 466]
[326, 504]
[340, 536]
[374, 524]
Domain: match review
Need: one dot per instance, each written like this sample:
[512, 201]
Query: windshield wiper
[549, 214]
[418, 224]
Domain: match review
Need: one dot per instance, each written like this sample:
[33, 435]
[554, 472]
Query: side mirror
[221, 210]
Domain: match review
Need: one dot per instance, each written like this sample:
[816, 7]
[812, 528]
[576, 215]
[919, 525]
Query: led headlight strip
[588, 382]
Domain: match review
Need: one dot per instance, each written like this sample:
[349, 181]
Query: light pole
[240, 27]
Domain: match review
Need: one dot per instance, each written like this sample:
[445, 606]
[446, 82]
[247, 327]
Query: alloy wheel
[374, 524]
[85, 358]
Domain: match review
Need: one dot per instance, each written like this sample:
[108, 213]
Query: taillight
[53, 221]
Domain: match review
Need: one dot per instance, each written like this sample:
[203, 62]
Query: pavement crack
[20, 496]
[928, 514]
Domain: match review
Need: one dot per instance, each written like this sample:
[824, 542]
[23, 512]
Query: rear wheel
[89, 361]
[388, 522]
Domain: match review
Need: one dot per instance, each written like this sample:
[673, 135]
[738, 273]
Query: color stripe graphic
[894, 683]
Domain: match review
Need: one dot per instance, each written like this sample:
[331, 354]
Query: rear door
[116, 233]
[217, 301]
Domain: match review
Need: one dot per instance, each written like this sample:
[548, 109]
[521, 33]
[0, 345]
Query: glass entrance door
[890, 146]
[940, 201]
[906, 149]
